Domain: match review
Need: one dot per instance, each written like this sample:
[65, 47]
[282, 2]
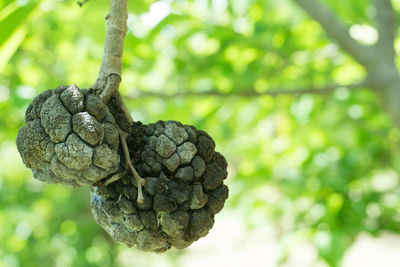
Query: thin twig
[139, 181]
[248, 93]
[81, 3]
[115, 178]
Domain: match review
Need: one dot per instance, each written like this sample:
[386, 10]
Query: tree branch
[109, 78]
[114, 43]
[337, 31]
[248, 93]
[387, 26]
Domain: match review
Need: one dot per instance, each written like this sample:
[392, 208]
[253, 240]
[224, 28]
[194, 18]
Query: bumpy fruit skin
[69, 138]
[183, 191]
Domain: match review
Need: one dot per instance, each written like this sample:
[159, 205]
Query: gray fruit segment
[56, 120]
[73, 99]
[177, 134]
[186, 152]
[164, 146]
[88, 128]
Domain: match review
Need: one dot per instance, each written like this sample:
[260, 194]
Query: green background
[316, 168]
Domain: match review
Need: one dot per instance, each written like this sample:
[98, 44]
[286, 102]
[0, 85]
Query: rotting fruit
[183, 189]
[71, 138]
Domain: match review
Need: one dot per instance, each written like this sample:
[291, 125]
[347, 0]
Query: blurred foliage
[321, 168]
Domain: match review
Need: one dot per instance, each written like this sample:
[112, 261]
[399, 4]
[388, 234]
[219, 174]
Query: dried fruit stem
[137, 179]
[114, 178]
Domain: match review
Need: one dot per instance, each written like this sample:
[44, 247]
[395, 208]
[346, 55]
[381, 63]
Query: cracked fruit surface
[183, 189]
[69, 138]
